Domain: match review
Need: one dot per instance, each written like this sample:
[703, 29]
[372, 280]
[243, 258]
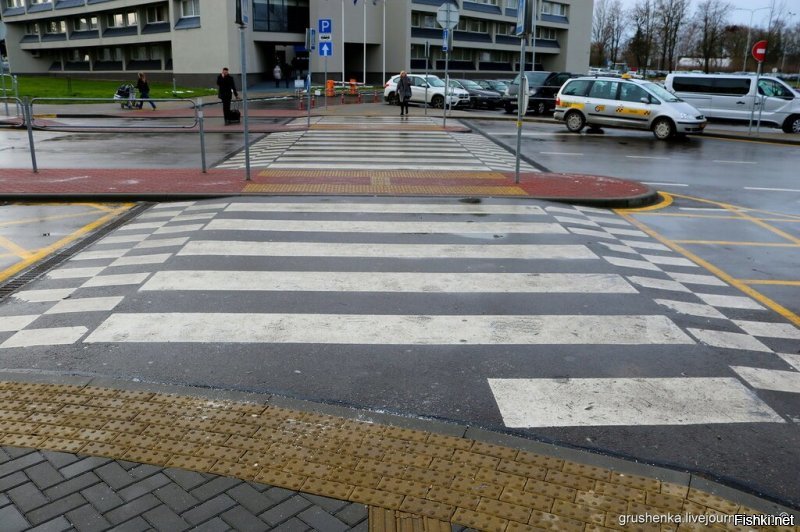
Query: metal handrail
[96, 101]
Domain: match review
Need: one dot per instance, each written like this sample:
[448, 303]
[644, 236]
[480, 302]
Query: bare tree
[617, 25]
[641, 44]
[670, 15]
[600, 32]
[710, 22]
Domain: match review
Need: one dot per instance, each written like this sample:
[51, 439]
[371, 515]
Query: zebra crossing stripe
[16, 323]
[658, 284]
[135, 260]
[74, 273]
[693, 278]
[628, 401]
[729, 340]
[770, 379]
[44, 295]
[691, 309]
[632, 263]
[770, 330]
[670, 261]
[416, 282]
[397, 227]
[379, 250]
[39, 337]
[116, 280]
[387, 208]
[85, 304]
[723, 301]
[792, 360]
[370, 329]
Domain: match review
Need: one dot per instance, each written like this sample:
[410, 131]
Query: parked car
[736, 97]
[478, 96]
[543, 87]
[436, 91]
[628, 103]
[493, 85]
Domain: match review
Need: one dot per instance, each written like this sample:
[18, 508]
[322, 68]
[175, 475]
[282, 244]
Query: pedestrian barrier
[11, 112]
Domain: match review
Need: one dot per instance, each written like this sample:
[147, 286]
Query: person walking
[403, 92]
[227, 91]
[286, 72]
[277, 74]
[144, 91]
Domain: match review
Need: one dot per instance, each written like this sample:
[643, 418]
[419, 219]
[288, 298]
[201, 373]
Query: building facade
[191, 40]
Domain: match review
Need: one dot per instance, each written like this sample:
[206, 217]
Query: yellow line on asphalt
[23, 221]
[43, 252]
[770, 282]
[749, 141]
[727, 243]
[716, 217]
[666, 201]
[758, 296]
[14, 248]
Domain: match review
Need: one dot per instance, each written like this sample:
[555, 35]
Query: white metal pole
[383, 43]
[343, 44]
[364, 75]
[747, 46]
[244, 104]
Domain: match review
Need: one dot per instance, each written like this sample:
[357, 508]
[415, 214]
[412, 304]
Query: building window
[490, 2]
[473, 25]
[417, 51]
[36, 2]
[157, 14]
[31, 28]
[190, 8]
[121, 20]
[55, 26]
[461, 54]
[423, 20]
[110, 54]
[15, 3]
[77, 56]
[505, 29]
[553, 8]
[287, 16]
[85, 23]
[547, 34]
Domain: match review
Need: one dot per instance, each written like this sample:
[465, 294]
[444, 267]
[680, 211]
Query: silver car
[628, 103]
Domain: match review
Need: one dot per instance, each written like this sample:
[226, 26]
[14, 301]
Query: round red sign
[760, 51]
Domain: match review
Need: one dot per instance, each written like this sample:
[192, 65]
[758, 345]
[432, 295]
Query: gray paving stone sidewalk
[54, 491]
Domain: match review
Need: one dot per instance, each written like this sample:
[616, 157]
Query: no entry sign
[760, 51]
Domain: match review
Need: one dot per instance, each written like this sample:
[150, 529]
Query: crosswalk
[389, 144]
[561, 327]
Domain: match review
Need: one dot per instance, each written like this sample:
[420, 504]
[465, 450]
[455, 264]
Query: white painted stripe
[161, 243]
[769, 330]
[693, 278]
[659, 184]
[733, 162]
[53, 336]
[792, 360]
[171, 229]
[730, 301]
[632, 263]
[116, 280]
[565, 210]
[773, 189]
[729, 340]
[15, 323]
[619, 248]
[336, 226]
[102, 254]
[74, 273]
[670, 261]
[291, 281]
[134, 260]
[594, 210]
[608, 220]
[402, 208]
[658, 284]
[370, 329]
[86, 304]
[702, 209]
[560, 153]
[159, 214]
[398, 251]
[578, 221]
[646, 157]
[170, 205]
[206, 206]
[770, 379]
[123, 239]
[635, 401]
[626, 232]
[691, 309]
[653, 246]
[378, 166]
[143, 225]
[43, 296]
[591, 232]
[194, 217]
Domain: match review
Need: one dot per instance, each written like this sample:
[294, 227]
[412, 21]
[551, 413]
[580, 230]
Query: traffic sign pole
[447, 17]
[526, 26]
[759, 52]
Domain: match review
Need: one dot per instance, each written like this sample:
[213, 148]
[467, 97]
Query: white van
[733, 97]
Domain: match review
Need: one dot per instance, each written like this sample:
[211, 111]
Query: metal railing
[8, 83]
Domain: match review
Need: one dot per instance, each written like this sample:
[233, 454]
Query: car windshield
[534, 78]
[469, 84]
[661, 92]
[433, 81]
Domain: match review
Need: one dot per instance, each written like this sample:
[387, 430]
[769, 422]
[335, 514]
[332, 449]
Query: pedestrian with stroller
[144, 91]
[227, 91]
[403, 91]
[277, 74]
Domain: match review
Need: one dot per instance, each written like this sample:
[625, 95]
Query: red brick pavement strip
[144, 182]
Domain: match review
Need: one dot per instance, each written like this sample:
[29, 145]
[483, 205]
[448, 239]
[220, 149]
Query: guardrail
[9, 83]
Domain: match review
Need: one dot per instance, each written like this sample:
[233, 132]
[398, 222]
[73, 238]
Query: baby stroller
[126, 96]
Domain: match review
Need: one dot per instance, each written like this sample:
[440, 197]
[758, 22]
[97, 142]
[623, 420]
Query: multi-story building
[191, 40]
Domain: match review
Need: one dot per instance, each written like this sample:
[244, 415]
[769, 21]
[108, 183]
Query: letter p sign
[325, 25]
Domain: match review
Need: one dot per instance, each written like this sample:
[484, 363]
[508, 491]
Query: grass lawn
[60, 87]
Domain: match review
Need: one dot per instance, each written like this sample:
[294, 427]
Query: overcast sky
[760, 18]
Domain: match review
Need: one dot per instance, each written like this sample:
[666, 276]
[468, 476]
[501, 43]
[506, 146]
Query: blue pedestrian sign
[444, 40]
[325, 25]
[325, 49]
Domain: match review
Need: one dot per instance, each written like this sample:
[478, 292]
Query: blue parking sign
[326, 49]
[325, 25]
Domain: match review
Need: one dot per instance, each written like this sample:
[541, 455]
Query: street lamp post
[789, 15]
[749, 29]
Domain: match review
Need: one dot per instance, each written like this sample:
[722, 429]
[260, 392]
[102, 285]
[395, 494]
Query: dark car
[493, 85]
[543, 89]
[478, 96]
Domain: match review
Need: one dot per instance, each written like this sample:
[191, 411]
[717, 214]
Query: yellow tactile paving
[405, 174]
[411, 479]
[377, 189]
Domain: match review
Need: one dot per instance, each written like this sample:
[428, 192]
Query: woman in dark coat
[403, 91]
[144, 91]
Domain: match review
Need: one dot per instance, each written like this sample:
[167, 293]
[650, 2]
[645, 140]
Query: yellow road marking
[758, 296]
[666, 201]
[727, 243]
[716, 217]
[14, 248]
[43, 252]
[770, 281]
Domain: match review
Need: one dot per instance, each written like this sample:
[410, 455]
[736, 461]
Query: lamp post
[789, 15]
[749, 29]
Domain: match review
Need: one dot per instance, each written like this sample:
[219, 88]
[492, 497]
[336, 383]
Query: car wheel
[575, 121]
[540, 108]
[437, 101]
[663, 128]
[392, 99]
[792, 124]
[509, 109]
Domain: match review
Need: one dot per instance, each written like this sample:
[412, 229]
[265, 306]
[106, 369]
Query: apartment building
[191, 40]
